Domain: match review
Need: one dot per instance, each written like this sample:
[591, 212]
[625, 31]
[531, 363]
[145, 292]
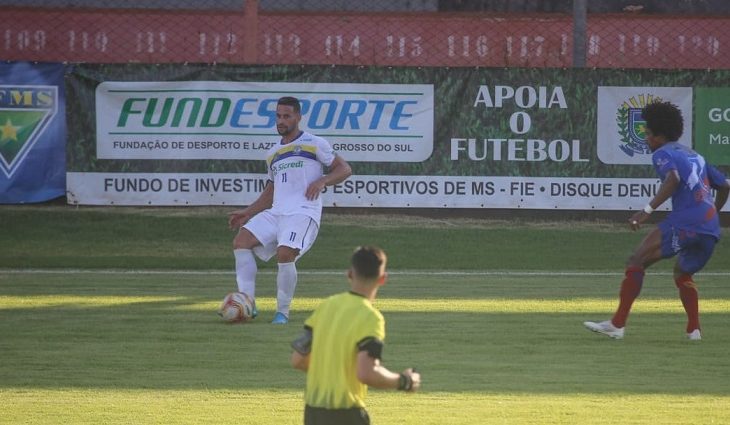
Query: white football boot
[607, 328]
[694, 335]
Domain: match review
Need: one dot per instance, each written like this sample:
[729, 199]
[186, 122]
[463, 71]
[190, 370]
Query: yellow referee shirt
[338, 325]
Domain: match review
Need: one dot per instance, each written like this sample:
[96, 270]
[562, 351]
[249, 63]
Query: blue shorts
[693, 249]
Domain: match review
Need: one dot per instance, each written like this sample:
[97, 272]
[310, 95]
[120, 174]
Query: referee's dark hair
[368, 262]
[664, 119]
[290, 101]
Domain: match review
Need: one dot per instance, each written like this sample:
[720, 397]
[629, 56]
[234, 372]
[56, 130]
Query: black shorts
[322, 416]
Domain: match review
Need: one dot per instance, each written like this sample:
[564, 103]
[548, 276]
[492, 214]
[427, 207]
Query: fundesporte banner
[237, 120]
[426, 138]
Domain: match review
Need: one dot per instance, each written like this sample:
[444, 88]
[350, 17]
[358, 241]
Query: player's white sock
[286, 283]
[246, 271]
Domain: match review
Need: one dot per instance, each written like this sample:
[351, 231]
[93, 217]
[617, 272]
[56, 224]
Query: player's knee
[634, 262]
[285, 254]
[634, 269]
[244, 240]
[684, 280]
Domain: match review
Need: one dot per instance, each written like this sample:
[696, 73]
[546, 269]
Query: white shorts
[295, 231]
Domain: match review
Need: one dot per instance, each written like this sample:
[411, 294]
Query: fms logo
[25, 112]
[622, 130]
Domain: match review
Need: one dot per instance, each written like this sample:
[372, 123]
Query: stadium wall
[455, 129]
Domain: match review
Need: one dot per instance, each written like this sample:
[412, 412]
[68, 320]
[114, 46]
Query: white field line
[342, 272]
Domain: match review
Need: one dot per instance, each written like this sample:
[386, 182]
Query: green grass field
[102, 321]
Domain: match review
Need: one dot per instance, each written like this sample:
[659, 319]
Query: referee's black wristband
[405, 382]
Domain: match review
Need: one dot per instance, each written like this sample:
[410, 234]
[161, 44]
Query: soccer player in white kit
[284, 220]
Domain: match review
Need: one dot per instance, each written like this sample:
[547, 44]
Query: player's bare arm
[371, 373]
[666, 189]
[299, 361]
[339, 170]
[721, 195]
[301, 346]
[238, 218]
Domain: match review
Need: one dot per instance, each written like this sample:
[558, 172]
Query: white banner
[369, 191]
[237, 120]
[621, 138]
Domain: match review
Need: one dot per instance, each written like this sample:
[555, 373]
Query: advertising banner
[32, 132]
[415, 138]
[364, 191]
[621, 138]
[712, 124]
[232, 120]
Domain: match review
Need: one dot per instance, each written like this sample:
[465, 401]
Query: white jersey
[292, 167]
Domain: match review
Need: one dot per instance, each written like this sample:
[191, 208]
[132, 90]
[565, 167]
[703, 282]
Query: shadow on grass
[166, 345]
[545, 286]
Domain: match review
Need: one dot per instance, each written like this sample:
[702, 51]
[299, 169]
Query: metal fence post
[250, 31]
[579, 33]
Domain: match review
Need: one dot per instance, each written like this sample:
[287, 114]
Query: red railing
[253, 36]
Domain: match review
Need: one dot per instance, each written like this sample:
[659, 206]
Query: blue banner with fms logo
[32, 132]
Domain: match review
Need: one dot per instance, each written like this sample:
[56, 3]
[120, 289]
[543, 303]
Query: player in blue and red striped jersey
[690, 231]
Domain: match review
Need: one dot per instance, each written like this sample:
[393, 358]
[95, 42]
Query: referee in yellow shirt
[341, 346]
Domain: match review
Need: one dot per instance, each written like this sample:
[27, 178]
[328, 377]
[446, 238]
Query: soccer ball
[237, 307]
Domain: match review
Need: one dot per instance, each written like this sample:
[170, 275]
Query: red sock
[630, 289]
[690, 300]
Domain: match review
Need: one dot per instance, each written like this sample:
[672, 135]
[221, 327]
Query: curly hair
[664, 118]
